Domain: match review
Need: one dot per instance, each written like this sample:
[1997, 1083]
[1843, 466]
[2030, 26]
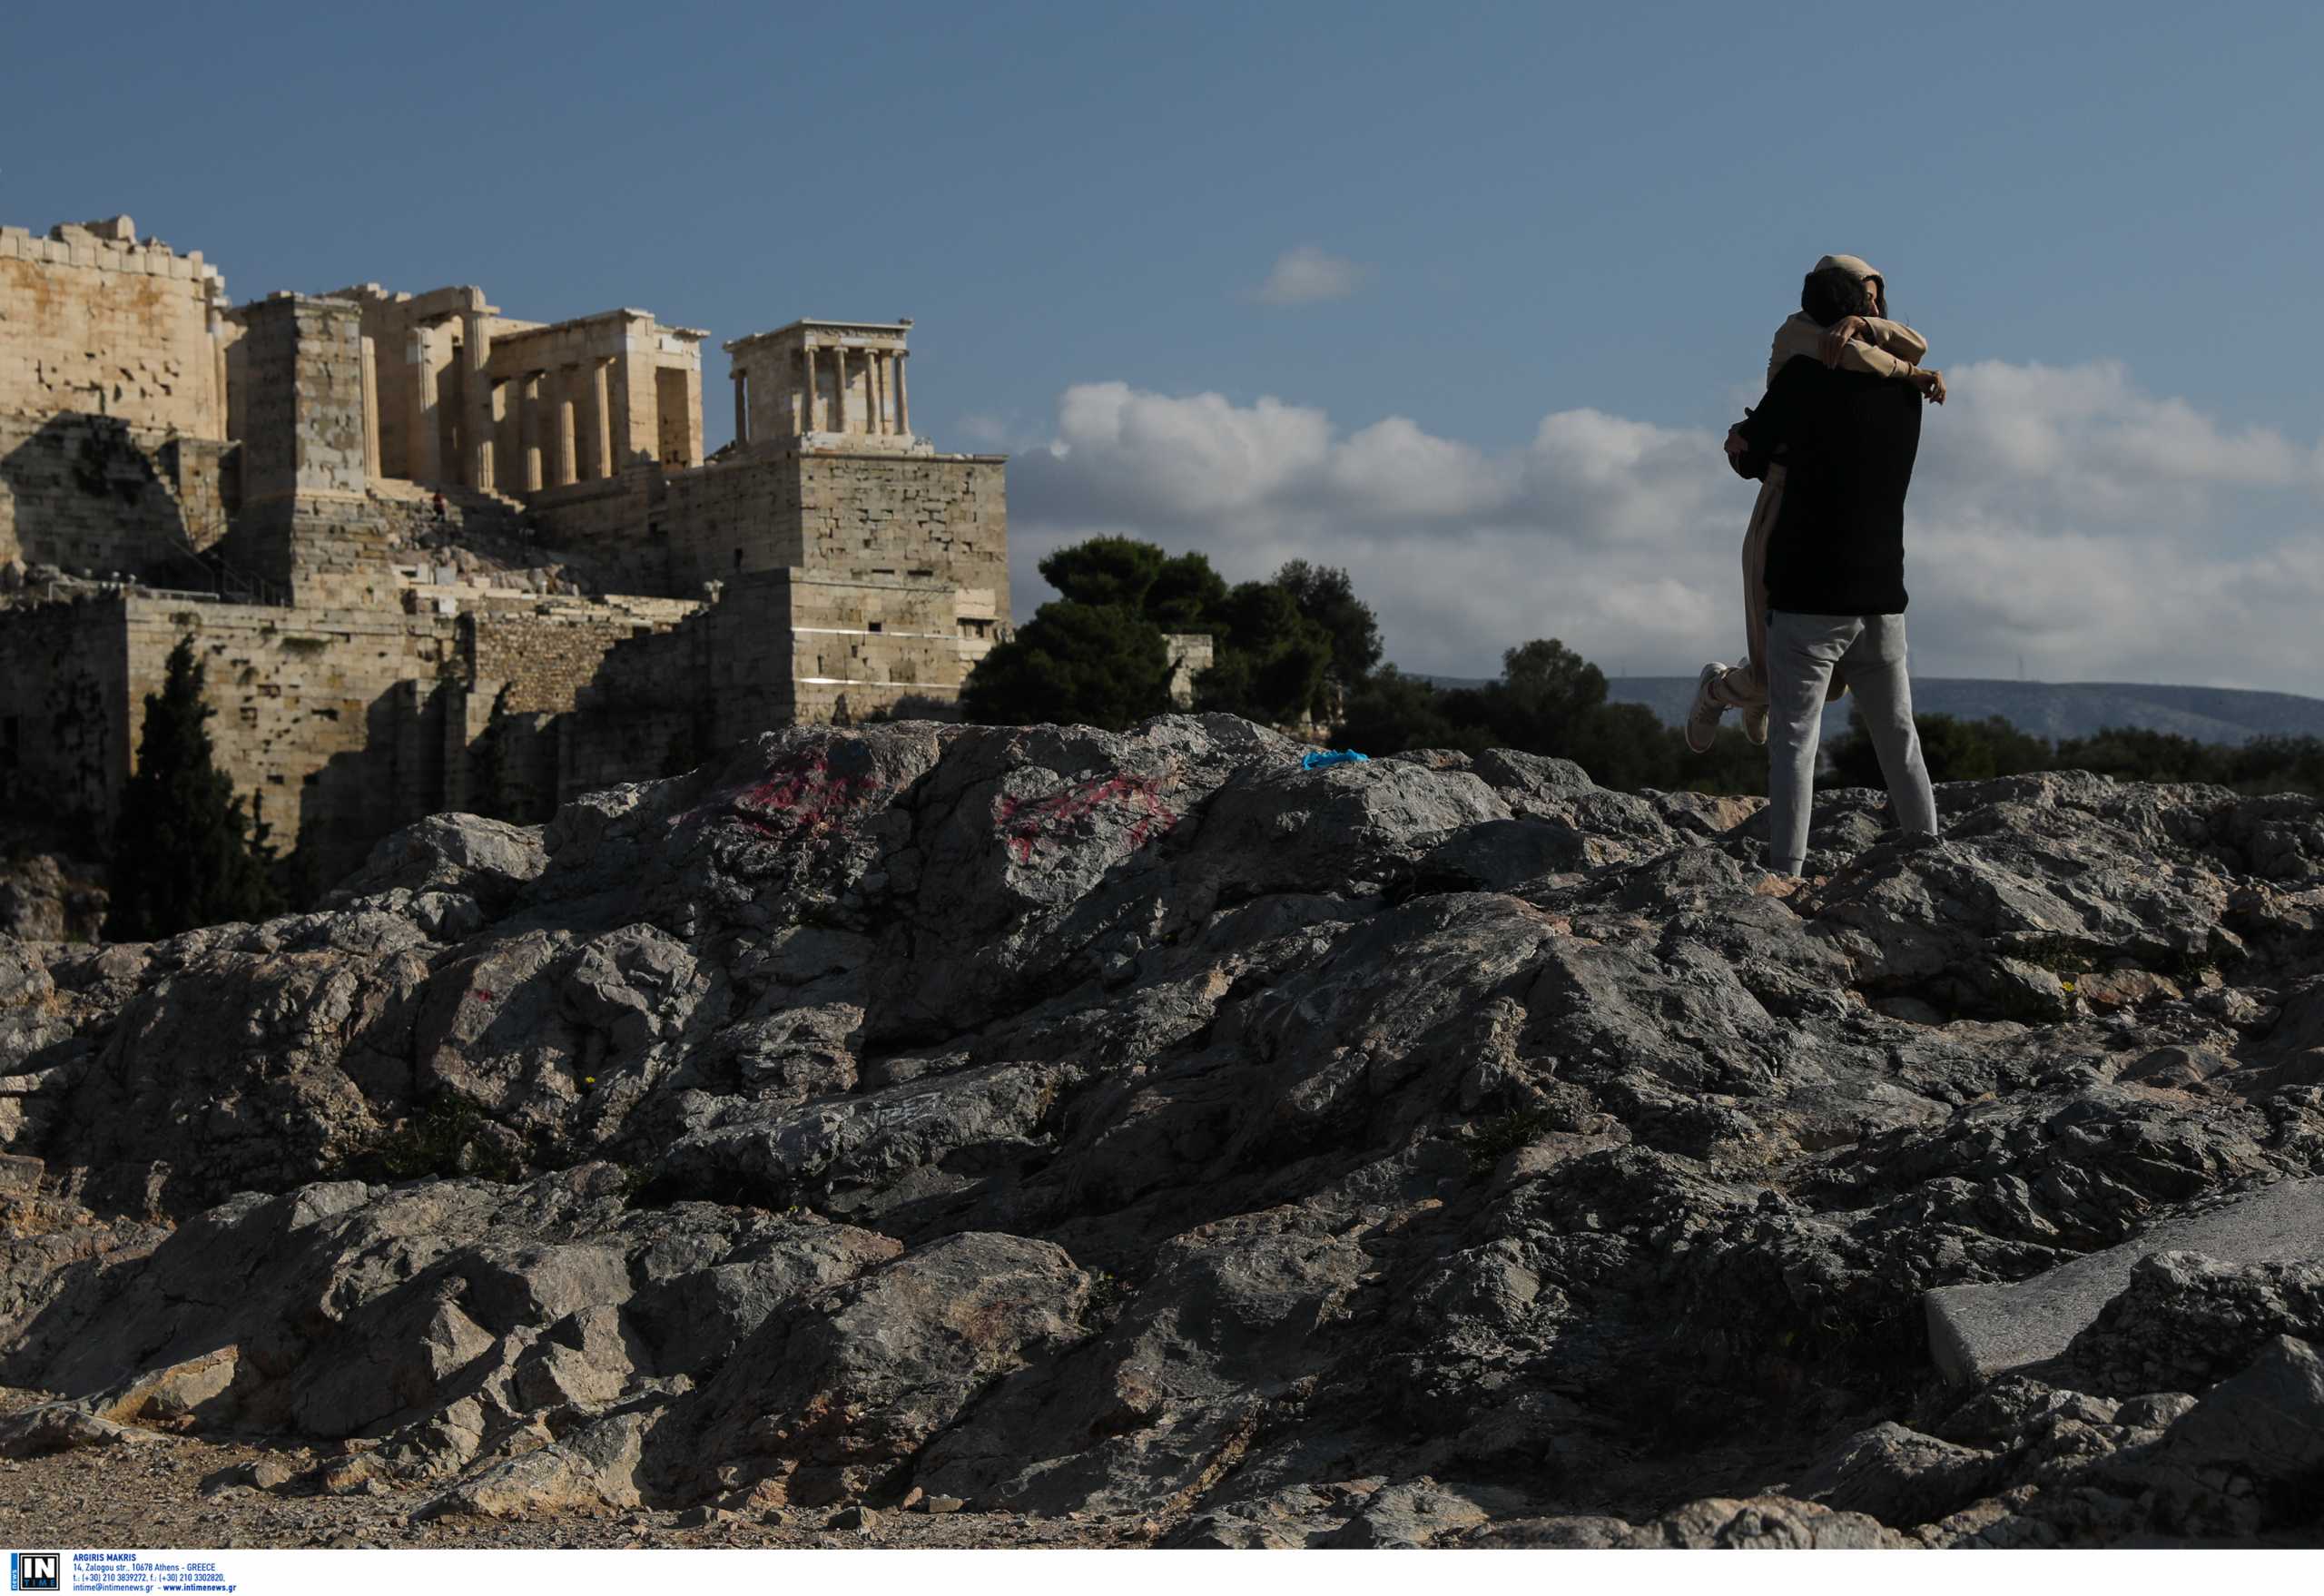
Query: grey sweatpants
[1802, 649]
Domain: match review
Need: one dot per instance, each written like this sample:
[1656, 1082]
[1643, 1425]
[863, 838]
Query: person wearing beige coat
[1863, 339]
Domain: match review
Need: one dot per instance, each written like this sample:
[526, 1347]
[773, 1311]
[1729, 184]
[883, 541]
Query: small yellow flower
[588, 1080]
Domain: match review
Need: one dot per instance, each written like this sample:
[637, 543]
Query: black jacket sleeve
[1775, 419]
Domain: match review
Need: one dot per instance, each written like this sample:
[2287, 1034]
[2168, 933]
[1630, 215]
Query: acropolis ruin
[435, 557]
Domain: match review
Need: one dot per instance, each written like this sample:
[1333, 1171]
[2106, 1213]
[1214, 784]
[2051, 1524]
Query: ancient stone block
[1976, 1332]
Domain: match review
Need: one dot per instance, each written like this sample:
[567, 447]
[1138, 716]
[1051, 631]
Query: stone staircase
[472, 517]
[484, 536]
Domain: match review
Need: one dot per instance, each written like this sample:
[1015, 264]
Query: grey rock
[488, 861]
[49, 897]
[264, 1473]
[2018, 1406]
[1233, 1532]
[64, 1426]
[834, 1391]
[1753, 1523]
[1070, 1121]
[2267, 1420]
[2153, 1411]
[432, 1313]
[2186, 1321]
[1976, 1332]
[1898, 1477]
[596, 1468]
[1232, 1317]
[1421, 1512]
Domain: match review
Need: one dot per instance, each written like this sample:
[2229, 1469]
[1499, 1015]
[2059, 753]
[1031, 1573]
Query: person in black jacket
[1842, 321]
[1836, 587]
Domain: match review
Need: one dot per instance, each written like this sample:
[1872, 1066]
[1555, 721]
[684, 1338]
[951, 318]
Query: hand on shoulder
[1836, 337]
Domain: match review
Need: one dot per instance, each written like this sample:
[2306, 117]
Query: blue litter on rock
[1324, 756]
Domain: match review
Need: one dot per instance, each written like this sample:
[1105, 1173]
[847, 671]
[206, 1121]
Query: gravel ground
[152, 1496]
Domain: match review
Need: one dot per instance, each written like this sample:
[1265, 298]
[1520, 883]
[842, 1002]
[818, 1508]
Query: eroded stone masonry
[435, 557]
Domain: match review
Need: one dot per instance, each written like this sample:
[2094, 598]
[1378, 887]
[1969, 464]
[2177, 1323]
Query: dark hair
[1829, 294]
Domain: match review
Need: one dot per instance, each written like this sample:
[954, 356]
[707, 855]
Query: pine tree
[1088, 664]
[183, 855]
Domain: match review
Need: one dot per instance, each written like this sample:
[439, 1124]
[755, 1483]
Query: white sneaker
[1702, 715]
[1755, 724]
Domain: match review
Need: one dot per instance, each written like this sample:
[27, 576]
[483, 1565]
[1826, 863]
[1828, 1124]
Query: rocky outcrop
[1435, 1151]
[47, 896]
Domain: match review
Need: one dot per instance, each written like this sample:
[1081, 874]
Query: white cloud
[1306, 275]
[2084, 442]
[986, 430]
[1393, 469]
[1187, 457]
[2058, 513]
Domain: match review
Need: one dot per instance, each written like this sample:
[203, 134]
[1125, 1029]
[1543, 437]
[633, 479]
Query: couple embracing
[1832, 444]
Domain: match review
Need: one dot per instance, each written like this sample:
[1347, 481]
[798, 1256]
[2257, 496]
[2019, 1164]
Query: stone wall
[731, 518]
[63, 709]
[863, 646]
[542, 660]
[93, 321]
[308, 527]
[297, 374]
[941, 518]
[329, 722]
[335, 552]
[338, 724]
[648, 712]
[615, 528]
[778, 647]
[93, 494]
[335, 725]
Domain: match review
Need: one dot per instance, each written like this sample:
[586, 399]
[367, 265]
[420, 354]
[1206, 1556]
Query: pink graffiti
[1027, 822]
[801, 797]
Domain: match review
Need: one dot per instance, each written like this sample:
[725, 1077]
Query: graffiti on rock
[800, 798]
[1027, 823]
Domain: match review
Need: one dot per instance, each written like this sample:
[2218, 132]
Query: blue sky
[1526, 262]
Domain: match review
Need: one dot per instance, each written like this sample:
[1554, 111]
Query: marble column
[631, 402]
[561, 434]
[601, 403]
[476, 406]
[904, 395]
[807, 419]
[581, 388]
[528, 431]
[839, 387]
[371, 410]
[508, 466]
[426, 463]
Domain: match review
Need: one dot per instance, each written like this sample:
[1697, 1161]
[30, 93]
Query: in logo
[36, 1571]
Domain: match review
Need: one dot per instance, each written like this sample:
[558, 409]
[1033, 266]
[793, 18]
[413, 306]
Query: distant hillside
[2048, 709]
